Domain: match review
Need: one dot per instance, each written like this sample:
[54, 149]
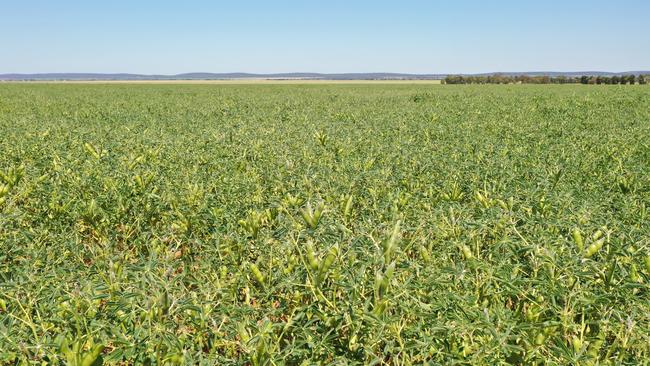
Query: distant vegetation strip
[630, 79]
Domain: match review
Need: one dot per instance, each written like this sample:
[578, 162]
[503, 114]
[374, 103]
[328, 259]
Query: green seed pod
[577, 344]
[424, 252]
[164, 302]
[390, 243]
[326, 264]
[311, 258]
[647, 263]
[634, 274]
[90, 149]
[594, 248]
[243, 332]
[292, 262]
[296, 297]
[384, 281]
[378, 280]
[532, 313]
[348, 207]
[92, 356]
[594, 347]
[610, 272]
[257, 273]
[380, 307]
[467, 252]
[139, 181]
[352, 344]
[136, 161]
[597, 235]
[577, 238]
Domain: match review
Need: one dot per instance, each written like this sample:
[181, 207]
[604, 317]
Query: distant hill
[293, 75]
[221, 76]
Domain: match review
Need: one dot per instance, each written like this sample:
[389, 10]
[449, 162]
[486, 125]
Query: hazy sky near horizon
[413, 36]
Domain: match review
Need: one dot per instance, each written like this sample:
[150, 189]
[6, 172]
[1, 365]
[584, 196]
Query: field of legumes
[299, 224]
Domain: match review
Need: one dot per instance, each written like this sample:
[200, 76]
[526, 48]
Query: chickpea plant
[340, 224]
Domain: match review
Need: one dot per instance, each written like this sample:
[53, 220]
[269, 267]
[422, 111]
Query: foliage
[344, 224]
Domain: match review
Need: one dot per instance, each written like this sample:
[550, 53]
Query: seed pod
[577, 344]
[467, 252]
[594, 347]
[139, 181]
[176, 359]
[378, 280]
[292, 262]
[92, 356]
[390, 243]
[577, 238]
[594, 247]
[610, 272]
[634, 274]
[136, 161]
[90, 149]
[597, 235]
[424, 252]
[352, 344]
[164, 302]
[312, 217]
[257, 273]
[380, 307]
[384, 280]
[326, 264]
[4, 189]
[348, 207]
[311, 258]
[647, 263]
[243, 332]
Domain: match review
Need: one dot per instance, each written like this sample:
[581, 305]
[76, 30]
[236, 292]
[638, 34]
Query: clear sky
[435, 36]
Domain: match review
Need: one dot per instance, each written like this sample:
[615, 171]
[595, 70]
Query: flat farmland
[324, 223]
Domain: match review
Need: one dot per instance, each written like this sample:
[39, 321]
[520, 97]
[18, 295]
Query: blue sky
[454, 36]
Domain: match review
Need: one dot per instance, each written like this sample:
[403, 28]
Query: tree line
[545, 79]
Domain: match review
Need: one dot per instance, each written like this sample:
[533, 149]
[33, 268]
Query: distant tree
[454, 79]
[616, 80]
[642, 79]
[500, 79]
[526, 79]
[631, 79]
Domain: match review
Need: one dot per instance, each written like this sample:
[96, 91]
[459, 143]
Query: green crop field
[324, 224]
